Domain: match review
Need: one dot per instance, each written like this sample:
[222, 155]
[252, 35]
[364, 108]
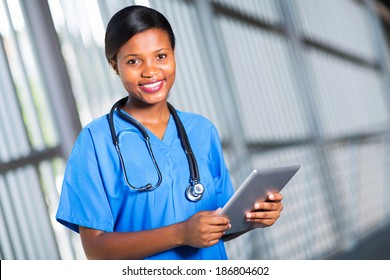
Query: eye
[161, 56]
[132, 61]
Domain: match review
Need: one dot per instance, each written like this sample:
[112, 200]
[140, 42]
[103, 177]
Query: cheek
[170, 71]
[129, 78]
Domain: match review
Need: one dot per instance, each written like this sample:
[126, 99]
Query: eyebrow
[136, 54]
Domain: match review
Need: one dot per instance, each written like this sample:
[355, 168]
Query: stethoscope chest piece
[194, 192]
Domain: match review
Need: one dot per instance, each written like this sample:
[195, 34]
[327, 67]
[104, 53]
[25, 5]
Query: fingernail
[248, 215]
[271, 196]
[257, 206]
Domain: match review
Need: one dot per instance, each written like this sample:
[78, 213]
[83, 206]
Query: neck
[149, 114]
[155, 117]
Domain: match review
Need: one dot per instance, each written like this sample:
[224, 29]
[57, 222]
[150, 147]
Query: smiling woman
[146, 66]
[285, 82]
[175, 216]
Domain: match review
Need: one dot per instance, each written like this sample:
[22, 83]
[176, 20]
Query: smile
[152, 87]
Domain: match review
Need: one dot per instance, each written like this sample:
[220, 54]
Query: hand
[266, 213]
[204, 229]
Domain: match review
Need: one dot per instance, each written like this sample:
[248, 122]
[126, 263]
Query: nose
[149, 70]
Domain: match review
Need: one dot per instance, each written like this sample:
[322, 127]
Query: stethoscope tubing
[147, 187]
[185, 143]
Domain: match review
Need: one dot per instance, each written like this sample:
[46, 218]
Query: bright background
[286, 82]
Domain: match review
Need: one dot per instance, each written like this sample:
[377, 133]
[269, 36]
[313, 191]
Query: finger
[214, 216]
[272, 206]
[220, 228]
[207, 213]
[263, 222]
[218, 220]
[268, 206]
[214, 241]
[210, 215]
[251, 216]
[217, 236]
[275, 197]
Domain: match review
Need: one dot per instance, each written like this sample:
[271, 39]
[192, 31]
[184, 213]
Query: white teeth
[156, 84]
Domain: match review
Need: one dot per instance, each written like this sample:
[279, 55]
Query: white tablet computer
[256, 187]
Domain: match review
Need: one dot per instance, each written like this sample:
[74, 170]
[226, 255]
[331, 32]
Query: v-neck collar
[170, 133]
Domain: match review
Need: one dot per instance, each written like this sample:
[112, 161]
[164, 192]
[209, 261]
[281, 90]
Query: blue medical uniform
[95, 195]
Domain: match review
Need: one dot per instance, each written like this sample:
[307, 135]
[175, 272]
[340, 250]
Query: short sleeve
[83, 200]
[221, 176]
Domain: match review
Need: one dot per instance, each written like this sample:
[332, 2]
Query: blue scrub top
[95, 195]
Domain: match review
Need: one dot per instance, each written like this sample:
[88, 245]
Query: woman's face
[146, 66]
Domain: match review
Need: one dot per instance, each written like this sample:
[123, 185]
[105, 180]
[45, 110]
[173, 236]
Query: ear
[114, 65]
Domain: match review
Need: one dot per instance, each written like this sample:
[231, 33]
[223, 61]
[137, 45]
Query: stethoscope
[195, 190]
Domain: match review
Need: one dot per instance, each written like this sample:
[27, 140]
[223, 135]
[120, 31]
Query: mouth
[152, 87]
